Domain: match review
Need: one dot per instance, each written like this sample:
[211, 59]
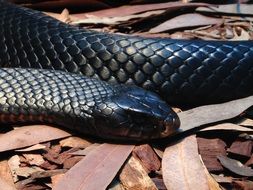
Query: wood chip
[30, 135]
[70, 162]
[134, 176]
[14, 163]
[148, 157]
[209, 149]
[34, 159]
[5, 174]
[181, 166]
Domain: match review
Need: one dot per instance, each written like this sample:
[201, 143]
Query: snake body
[180, 71]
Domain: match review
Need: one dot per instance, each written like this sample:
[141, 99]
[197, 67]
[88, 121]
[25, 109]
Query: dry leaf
[182, 168]
[213, 185]
[30, 135]
[135, 9]
[222, 179]
[229, 9]
[186, 20]
[213, 113]
[91, 19]
[32, 148]
[235, 166]
[75, 142]
[227, 126]
[103, 163]
[133, 176]
[245, 122]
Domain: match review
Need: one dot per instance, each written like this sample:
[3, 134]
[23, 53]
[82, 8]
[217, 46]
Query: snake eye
[170, 125]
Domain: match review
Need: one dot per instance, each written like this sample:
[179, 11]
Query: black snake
[181, 71]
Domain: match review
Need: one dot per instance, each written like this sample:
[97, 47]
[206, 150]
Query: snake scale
[80, 76]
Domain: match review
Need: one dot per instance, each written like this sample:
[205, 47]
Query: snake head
[135, 114]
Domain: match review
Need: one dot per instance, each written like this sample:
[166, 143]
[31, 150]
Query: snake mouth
[169, 125]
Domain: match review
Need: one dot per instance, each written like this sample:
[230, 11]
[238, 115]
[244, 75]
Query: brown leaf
[213, 185]
[186, 20]
[227, 126]
[29, 135]
[134, 176]
[181, 166]
[235, 166]
[147, 157]
[209, 149]
[229, 9]
[213, 113]
[75, 142]
[103, 163]
[241, 147]
[245, 122]
[32, 148]
[91, 19]
[134, 9]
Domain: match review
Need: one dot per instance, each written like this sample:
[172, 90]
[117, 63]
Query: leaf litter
[218, 156]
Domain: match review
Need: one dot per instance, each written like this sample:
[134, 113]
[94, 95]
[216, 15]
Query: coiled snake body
[180, 71]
